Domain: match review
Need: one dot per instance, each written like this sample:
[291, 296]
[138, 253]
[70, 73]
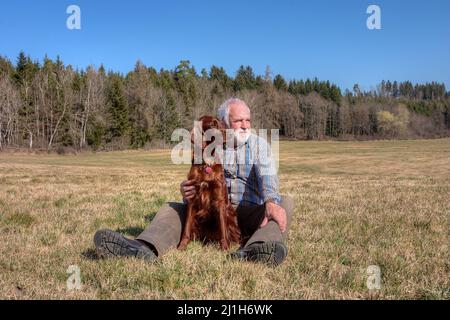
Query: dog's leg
[186, 236]
[224, 243]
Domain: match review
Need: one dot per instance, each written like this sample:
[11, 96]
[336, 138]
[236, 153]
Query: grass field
[384, 203]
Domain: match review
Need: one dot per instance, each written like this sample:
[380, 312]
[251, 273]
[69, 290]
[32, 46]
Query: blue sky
[327, 39]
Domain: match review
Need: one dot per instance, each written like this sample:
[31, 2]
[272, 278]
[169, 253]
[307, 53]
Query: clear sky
[327, 39]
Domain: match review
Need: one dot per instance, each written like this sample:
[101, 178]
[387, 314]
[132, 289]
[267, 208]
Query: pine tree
[383, 88]
[302, 87]
[6, 67]
[21, 62]
[335, 94]
[220, 75]
[389, 88]
[395, 91]
[245, 79]
[280, 83]
[356, 90]
[204, 73]
[308, 86]
[167, 118]
[118, 109]
[185, 79]
[25, 69]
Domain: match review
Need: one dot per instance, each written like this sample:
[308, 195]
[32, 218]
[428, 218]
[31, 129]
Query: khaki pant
[164, 232]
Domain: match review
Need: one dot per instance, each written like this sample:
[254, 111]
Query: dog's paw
[224, 245]
[183, 245]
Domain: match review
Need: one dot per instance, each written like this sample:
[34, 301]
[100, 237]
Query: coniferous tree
[245, 79]
[280, 83]
[356, 90]
[167, 118]
[395, 90]
[185, 79]
[119, 125]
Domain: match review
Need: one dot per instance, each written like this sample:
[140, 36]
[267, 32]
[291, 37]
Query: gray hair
[223, 113]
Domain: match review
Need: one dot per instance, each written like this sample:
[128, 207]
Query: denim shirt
[250, 173]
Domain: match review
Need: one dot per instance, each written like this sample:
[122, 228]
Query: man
[263, 215]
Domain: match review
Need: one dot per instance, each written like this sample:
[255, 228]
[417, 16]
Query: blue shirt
[250, 173]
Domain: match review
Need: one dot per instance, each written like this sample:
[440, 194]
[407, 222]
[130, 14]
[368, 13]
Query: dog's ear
[196, 130]
[216, 123]
[223, 129]
[192, 135]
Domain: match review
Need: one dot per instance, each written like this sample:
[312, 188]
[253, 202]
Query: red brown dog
[210, 216]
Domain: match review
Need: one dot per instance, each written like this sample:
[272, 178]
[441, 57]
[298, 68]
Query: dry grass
[357, 204]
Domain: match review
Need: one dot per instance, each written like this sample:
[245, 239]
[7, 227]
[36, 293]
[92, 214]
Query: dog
[210, 217]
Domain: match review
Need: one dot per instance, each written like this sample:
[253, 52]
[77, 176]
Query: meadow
[357, 204]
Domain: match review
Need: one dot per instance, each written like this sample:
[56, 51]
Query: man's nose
[245, 125]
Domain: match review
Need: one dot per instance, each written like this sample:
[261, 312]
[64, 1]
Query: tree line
[50, 105]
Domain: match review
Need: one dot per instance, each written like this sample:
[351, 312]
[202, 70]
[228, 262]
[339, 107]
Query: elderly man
[263, 214]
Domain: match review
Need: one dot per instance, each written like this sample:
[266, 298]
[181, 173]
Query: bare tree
[9, 107]
[291, 117]
[144, 99]
[63, 98]
[314, 108]
[93, 99]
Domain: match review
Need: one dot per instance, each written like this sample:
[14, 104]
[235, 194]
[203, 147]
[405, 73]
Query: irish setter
[210, 216]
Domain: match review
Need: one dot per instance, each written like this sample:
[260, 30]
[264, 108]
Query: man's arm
[266, 172]
[268, 178]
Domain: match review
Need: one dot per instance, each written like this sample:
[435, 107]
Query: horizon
[324, 40]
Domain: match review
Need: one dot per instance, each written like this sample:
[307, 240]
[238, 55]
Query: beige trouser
[164, 232]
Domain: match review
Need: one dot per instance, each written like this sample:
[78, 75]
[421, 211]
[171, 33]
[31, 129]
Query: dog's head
[205, 132]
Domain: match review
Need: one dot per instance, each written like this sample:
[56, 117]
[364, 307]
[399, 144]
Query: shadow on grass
[148, 218]
[135, 231]
[89, 254]
[132, 231]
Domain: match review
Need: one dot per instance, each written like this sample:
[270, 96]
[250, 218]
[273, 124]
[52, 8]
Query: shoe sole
[271, 253]
[110, 244]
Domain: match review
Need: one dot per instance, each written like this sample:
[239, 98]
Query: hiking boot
[110, 244]
[271, 253]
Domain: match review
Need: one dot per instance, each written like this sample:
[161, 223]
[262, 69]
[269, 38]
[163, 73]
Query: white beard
[241, 136]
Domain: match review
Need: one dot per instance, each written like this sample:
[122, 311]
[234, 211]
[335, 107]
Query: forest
[48, 105]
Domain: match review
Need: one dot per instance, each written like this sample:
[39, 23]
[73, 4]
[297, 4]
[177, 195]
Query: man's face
[240, 122]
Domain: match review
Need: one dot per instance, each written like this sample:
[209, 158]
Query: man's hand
[276, 213]
[187, 189]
